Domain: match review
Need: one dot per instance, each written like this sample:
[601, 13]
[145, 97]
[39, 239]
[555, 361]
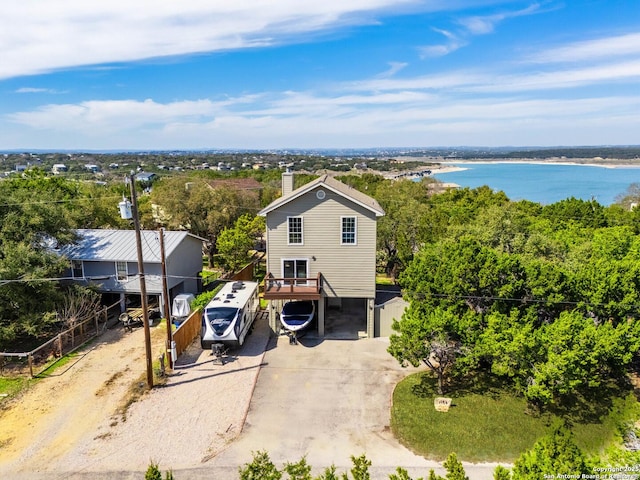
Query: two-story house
[321, 246]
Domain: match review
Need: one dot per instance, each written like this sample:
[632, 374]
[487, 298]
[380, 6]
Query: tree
[360, 469]
[328, 474]
[260, 468]
[631, 198]
[578, 355]
[401, 474]
[79, 305]
[234, 243]
[403, 228]
[153, 472]
[33, 219]
[431, 338]
[193, 204]
[454, 468]
[300, 470]
[501, 473]
[554, 454]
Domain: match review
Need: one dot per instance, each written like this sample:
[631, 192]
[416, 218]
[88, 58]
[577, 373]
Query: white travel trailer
[228, 318]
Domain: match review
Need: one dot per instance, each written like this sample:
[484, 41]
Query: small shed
[389, 306]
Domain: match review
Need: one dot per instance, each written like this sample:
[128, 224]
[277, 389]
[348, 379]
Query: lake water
[546, 183]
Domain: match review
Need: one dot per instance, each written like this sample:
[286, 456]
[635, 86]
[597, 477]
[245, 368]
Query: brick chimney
[287, 182]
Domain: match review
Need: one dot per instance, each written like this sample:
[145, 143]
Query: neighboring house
[146, 178]
[59, 168]
[108, 260]
[321, 245]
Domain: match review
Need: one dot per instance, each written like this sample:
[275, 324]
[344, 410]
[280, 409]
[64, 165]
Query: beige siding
[347, 270]
[386, 313]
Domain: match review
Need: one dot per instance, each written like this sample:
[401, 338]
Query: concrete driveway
[326, 400]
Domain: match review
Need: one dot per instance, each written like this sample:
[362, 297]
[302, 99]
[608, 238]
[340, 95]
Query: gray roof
[334, 185]
[120, 245]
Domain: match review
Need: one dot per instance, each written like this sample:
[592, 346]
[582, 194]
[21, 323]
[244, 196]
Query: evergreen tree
[554, 454]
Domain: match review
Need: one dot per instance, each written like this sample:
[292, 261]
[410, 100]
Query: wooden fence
[42, 357]
[187, 332]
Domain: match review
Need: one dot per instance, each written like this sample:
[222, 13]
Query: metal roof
[120, 245]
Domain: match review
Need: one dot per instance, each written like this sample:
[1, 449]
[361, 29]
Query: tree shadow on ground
[589, 405]
[478, 384]
[585, 406]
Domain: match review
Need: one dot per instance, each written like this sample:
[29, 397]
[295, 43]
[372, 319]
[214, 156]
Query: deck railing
[293, 286]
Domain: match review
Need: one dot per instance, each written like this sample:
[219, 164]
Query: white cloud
[37, 90]
[497, 82]
[307, 119]
[476, 25]
[566, 78]
[616, 46]
[41, 36]
[430, 51]
[453, 44]
[482, 25]
[394, 67]
[98, 116]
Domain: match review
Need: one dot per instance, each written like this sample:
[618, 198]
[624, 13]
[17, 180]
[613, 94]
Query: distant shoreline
[585, 163]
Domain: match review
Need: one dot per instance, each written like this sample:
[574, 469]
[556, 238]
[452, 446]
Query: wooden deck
[292, 288]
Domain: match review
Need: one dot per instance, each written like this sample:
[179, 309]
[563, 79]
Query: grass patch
[488, 421]
[11, 386]
[61, 362]
[383, 279]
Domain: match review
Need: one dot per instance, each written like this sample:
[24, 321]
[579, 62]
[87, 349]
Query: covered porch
[279, 290]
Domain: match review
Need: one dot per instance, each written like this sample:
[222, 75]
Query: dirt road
[66, 409]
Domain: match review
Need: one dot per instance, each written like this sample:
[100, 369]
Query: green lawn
[9, 386]
[488, 422]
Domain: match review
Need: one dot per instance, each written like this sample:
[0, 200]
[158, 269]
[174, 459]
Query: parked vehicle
[297, 315]
[229, 316]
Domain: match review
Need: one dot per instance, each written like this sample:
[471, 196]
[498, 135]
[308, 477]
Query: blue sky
[275, 74]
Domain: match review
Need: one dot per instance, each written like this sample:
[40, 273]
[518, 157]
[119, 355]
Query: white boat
[297, 315]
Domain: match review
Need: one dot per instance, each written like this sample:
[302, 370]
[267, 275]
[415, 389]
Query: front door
[296, 268]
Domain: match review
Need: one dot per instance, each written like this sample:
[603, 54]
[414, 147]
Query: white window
[348, 231]
[76, 269]
[121, 270]
[294, 230]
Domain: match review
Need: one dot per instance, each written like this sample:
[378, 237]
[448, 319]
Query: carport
[337, 318]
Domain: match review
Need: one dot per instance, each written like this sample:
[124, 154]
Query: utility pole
[165, 295]
[143, 284]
